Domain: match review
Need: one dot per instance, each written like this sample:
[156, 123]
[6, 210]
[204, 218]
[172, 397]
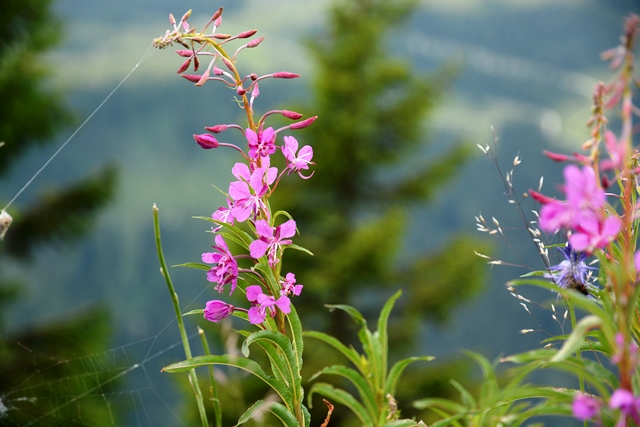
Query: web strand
[147, 53]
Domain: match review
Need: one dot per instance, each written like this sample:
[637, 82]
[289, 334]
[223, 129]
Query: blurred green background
[526, 68]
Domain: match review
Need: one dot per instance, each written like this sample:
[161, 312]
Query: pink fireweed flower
[582, 188]
[271, 239]
[223, 214]
[585, 407]
[289, 285]
[217, 310]
[247, 197]
[263, 304]
[261, 144]
[628, 404]
[226, 269]
[592, 232]
[299, 161]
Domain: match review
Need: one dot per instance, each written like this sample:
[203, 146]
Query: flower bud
[285, 75]
[216, 128]
[228, 63]
[206, 141]
[303, 124]
[291, 114]
[172, 20]
[185, 53]
[540, 198]
[240, 90]
[556, 157]
[217, 71]
[253, 76]
[246, 34]
[255, 42]
[191, 77]
[217, 14]
[184, 66]
[221, 36]
[186, 16]
[203, 78]
[217, 310]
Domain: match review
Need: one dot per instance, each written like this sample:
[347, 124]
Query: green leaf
[355, 314]
[347, 352]
[576, 338]
[344, 398]
[299, 248]
[467, 398]
[438, 402]
[277, 409]
[195, 265]
[367, 395]
[282, 358]
[196, 311]
[401, 423]
[238, 362]
[296, 332]
[395, 373]
[383, 338]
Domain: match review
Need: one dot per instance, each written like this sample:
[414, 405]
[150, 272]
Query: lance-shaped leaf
[348, 352]
[277, 409]
[381, 334]
[576, 338]
[238, 362]
[367, 395]
[393, 378]
[282, 357]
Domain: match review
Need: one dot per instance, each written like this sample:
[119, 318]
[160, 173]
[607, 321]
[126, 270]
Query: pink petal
[263, 229]
[258, 248]
[288, 229]
[253, 292]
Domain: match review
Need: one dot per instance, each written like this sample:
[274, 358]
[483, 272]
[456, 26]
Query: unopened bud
[185, 53]
[255, 42]
[253, 76]
[191, 77]
[184, 66]
[217, 71]
[556, 157]
[186, 16]
[240, 90]
[206, 141]
[246, 34]
[217, 310]
[291, 114]
[221, 36]
[5, 222]
[196, 63]
[303, 124]
[228, 63]
[540, 198]
[172, 20]
[285, 75]
[216, 128]
[217, 14]
[203, 78]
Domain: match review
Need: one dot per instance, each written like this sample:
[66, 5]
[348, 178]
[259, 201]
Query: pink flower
[617, 152]
[592, 232]
[226, 269]
[217, 310]
[261, 144]
[223, 214]
[585, 407]
[299, 161]
[247, 198]
[289, 285]
[263, 304]
[271, 239]
[628, 404]
[582, 189]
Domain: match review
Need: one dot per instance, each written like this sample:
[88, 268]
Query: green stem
[217, 409]
[193, 379]
[572, 315]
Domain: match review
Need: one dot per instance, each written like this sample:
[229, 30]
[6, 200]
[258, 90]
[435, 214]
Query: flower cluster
[255, 177]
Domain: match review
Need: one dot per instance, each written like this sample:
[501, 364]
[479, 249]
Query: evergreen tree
[371, 110]
[30, 115]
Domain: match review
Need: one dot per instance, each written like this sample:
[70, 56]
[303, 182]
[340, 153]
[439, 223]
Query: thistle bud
[303, 124]
[5, 222]
[255, 42]
[285, 75]
[291, 114]
[246, 34]
[206, 141]
[216, 128]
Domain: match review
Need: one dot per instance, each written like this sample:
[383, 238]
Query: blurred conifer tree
[353, 213]
[31, 113]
